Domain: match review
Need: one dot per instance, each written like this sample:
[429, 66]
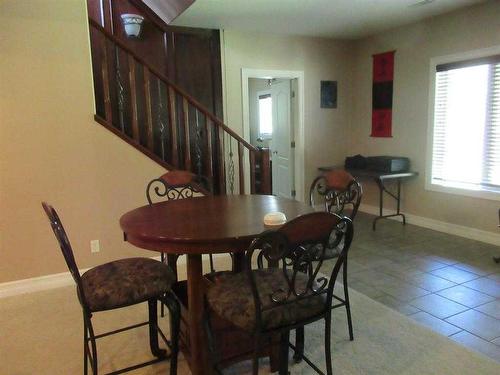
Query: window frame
[264, 136]
[448, 59]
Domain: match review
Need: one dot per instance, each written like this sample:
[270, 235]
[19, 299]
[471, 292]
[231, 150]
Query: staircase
[161, 120]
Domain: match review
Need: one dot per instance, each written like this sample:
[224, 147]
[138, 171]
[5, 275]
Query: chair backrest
[336, 190]
[66, 249]
[294, 249]
[174, 185]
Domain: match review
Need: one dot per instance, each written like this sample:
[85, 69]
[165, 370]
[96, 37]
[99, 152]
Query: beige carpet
[41, 333]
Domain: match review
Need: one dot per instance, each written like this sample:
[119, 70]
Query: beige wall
[469, 29]
[51, 149]
[326, 130]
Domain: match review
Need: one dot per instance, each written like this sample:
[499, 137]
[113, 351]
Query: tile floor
[445, 282]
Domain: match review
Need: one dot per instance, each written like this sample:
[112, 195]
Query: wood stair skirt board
[58, 280]
[440, 226]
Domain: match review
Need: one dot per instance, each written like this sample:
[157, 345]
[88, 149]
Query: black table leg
[397, 197]
[399, 201]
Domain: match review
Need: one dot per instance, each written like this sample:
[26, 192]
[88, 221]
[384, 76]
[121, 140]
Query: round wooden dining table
[203, 225]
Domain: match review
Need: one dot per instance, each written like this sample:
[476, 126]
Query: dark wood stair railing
[171, 127]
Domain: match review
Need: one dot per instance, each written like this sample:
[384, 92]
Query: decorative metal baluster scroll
[197, 149]
[120, 91]
[231, 167]
[161, 123]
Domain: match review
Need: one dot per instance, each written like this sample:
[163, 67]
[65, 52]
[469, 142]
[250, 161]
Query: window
[466, 132]
[265, 116]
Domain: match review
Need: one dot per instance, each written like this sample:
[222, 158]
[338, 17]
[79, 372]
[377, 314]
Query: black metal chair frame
[161, 190]
[89, 340]
[293, 254]
[335, 201]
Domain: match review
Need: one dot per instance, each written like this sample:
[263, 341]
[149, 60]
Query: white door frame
[247, 73]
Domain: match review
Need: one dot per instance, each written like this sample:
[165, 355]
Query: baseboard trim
[441, 226]
[36, 284]
[57, 280]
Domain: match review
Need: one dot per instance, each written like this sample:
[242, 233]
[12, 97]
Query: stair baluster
[133, 98]
[173, 127]
[208, 157]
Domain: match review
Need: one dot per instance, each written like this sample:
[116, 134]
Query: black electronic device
[355, 162]
[388, 164]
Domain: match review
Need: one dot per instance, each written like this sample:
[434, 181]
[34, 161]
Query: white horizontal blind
[492, 136]
[466, 139]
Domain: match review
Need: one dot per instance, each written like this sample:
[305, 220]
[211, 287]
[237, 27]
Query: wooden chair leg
[284, 341]
[347, 303]
[299, 345]
[153, 330]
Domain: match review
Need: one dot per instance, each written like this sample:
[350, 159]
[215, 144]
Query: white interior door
[281, 140]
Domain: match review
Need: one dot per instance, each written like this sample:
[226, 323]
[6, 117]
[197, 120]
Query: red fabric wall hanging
[383, 76]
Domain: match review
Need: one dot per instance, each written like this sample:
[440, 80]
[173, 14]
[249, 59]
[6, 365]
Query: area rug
[41, 333]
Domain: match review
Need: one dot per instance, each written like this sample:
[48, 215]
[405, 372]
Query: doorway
[272, 118]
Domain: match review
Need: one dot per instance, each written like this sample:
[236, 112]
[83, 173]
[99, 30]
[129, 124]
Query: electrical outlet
[95, 246]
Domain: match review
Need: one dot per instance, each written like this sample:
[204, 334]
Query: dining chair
[176, 185]
[337, 190]
[119, 284]
[283, 287]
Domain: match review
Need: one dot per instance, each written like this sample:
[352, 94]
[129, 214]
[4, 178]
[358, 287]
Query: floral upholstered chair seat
[125, 282]
[231, 298]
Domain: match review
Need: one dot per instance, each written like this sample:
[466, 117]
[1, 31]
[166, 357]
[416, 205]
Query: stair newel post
[173, 125]
[149, 116]
[265, 167]
[252, 171]
[187, 144]
[241, 170]
[108, 111]
[133, 98]
[209, 169]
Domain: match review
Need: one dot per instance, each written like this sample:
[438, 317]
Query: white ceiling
[342, 19]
